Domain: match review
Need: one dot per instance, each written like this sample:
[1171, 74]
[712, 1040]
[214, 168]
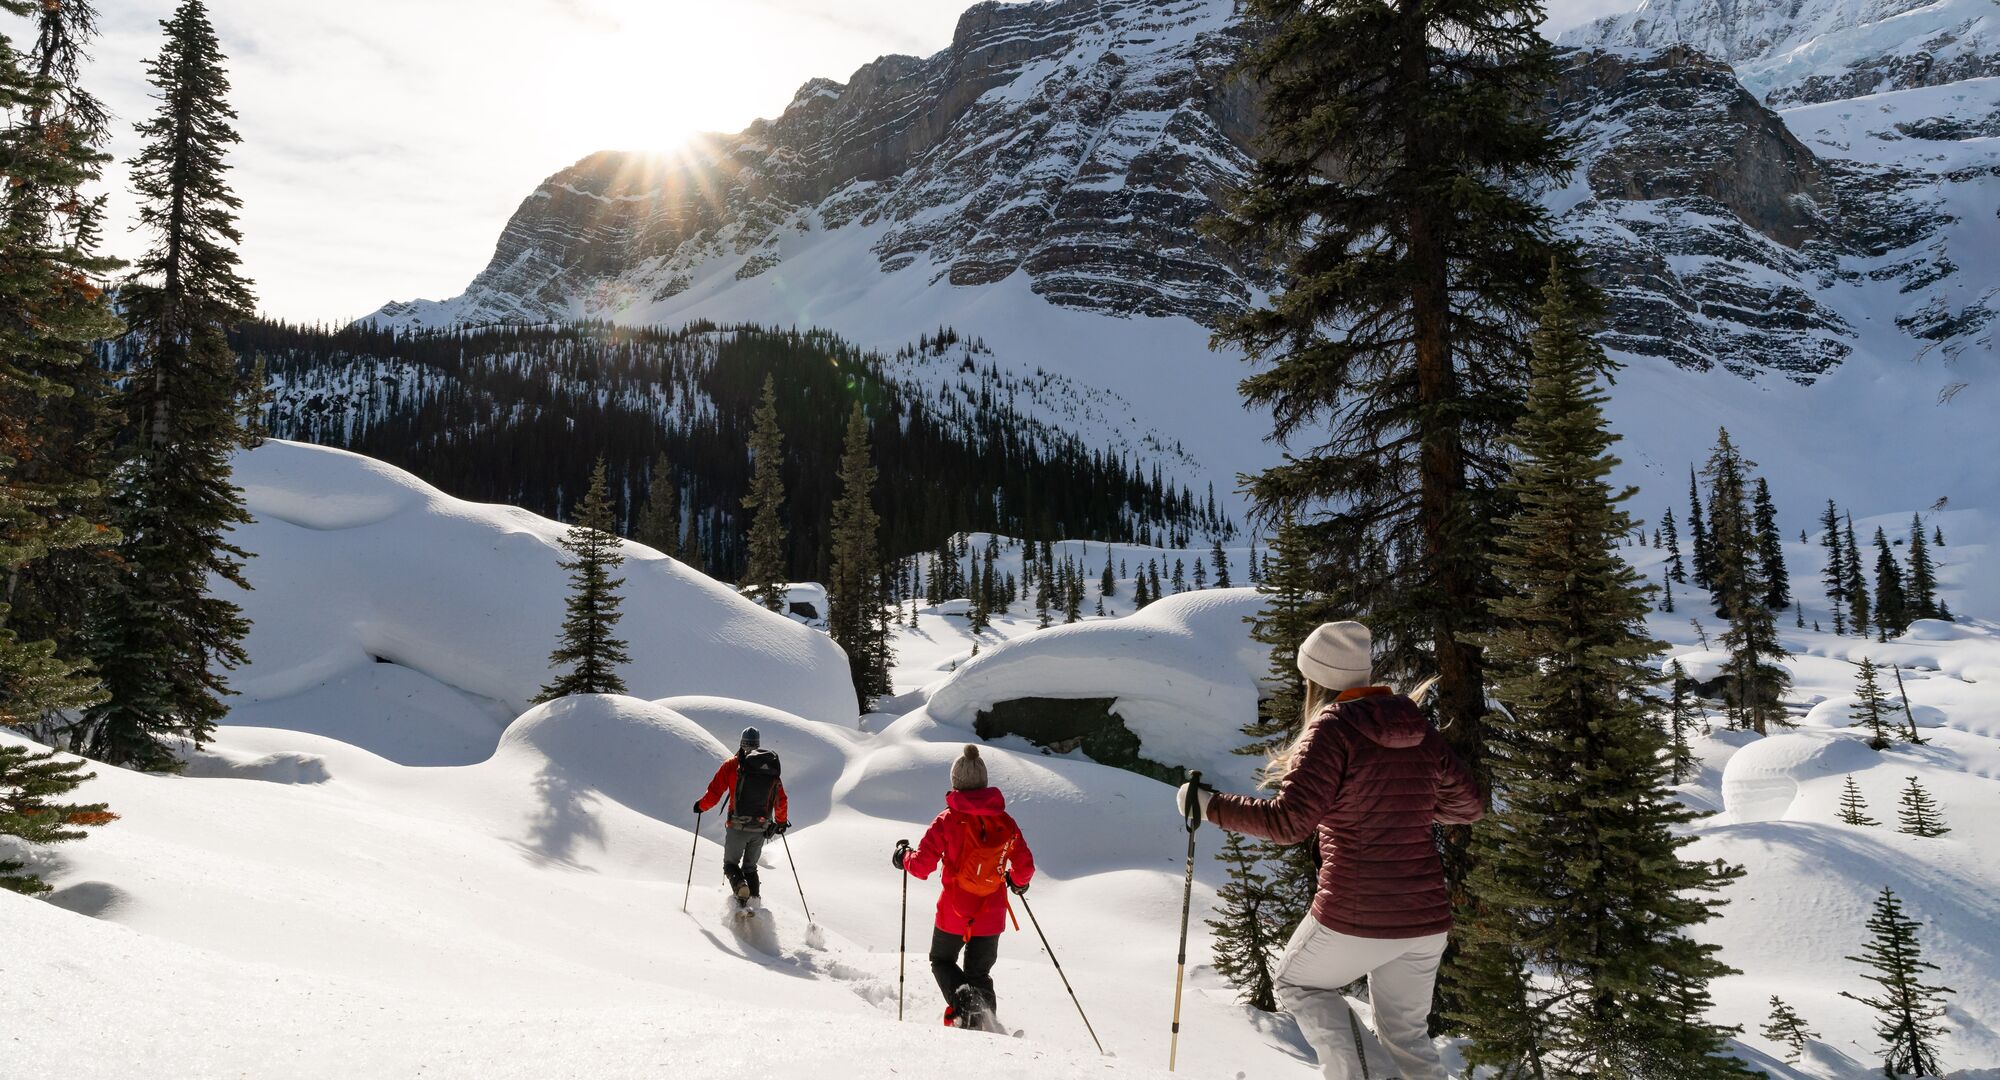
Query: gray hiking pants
[741, 848]
[1401, 975]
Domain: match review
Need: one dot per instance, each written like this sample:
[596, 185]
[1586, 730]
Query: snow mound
[1183, 672]
[1761, 781]
[645, 756]
[392, 616]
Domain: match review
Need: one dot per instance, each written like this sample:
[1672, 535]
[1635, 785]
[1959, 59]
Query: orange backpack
[982, 866]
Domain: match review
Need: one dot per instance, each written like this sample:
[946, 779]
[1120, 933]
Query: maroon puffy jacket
[1370, 777]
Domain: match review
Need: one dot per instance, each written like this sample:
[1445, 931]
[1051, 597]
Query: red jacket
[725, 784]
[958, 911]
[1370, 778]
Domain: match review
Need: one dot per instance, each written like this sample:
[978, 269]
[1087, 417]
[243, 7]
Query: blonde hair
[1317, 699]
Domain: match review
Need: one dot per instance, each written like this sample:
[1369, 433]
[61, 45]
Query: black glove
[697, 808]
[902, 849]
[776, 829]
[1019, 890]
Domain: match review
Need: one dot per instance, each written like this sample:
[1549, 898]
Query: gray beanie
[1336, 655]
[751, 740]
[968, 773]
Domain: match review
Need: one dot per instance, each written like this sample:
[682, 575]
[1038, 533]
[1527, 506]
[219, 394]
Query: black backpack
[756, 786]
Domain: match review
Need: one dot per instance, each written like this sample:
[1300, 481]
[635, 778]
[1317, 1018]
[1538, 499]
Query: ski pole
[1037, 924]
[795, 878]
[903, 940]
[1360, 1050]
[691, 854]
[1187, 902]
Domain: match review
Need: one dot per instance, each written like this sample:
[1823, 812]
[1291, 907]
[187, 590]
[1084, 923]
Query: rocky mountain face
[1079, 143]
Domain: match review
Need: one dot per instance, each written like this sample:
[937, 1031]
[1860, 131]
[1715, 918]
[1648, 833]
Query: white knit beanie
[1336, 655]
[968, 773]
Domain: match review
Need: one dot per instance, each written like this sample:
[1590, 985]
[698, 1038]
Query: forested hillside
[520, 414]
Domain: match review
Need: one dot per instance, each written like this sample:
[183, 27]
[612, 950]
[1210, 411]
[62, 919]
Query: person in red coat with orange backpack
[983, 854]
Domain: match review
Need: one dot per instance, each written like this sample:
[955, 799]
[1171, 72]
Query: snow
[390, 868]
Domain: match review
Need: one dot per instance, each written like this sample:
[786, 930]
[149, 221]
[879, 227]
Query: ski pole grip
[1194, 789]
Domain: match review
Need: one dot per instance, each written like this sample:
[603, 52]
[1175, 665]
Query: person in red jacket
[757, 812]
[983, 854]
[1367, 778]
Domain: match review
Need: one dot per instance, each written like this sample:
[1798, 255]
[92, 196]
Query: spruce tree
[1788, 1028]
[1871, 707]
[1221, 560]
[1853, 808]
[1909, 1008]
[56, 401]
[1290, 611]
[1578, 869]
[1919, 814]
[854, 599]
[1892, 610]
[1922, 590]
[1395, 187]
[1667, 591]
[1681, 715]
[1771, 550]
[1756, 682]
[659, 525]
[765, 574]
[1153, 579]
[29, 781]
[1107, 585]
[1140, 596]
[1858, 613]
[1246, 934]
[587, 655]
[162, 640]
[1698, 537]
[690, 553]
[1676, 569]
[1835, 572]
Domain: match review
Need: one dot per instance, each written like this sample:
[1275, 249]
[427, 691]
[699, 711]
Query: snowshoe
[975, 1010]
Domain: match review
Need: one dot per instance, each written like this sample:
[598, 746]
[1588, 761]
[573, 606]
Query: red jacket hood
[985, 801]
[1390, 720]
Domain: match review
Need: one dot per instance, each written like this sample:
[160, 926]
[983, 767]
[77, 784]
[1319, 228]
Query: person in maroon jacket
[983, 854]
[1367, 778]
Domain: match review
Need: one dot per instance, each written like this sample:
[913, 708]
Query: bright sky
[386, 142]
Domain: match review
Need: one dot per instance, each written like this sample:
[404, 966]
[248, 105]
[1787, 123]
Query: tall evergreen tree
[690, 554]
[1892, 609]
[1756, 682]
[659, 525]
[1909, 1008]
[1676, 569]
[1698, 537]
[1394, 187]
[55, 398]
[1246, 934]
[1835, 572]
[1771, 550]
[854, 599]
[1789, 1029]
[1923, 599]
[1853, 808]
[1919, 815]
[1859, 614]
[1221, 560]
[29, 781]
[162, 640]
[1578, 870]
[1871, 706]
[765, 574]
[588, 653]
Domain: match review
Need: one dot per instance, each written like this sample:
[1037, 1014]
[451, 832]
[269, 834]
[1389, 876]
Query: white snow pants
[1401, 975]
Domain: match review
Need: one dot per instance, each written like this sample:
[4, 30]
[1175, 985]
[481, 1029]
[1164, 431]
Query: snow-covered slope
[299, 904]
[416, 625]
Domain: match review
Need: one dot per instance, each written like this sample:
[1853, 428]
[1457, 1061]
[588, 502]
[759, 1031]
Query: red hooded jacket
[1370, 778]
[959, 912]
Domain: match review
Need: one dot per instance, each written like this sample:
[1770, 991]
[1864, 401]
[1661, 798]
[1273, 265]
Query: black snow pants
[980, 954]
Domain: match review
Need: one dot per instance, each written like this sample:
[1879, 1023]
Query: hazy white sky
[386, 142]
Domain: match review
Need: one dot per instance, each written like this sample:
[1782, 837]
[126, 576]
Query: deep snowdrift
[394, 617]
